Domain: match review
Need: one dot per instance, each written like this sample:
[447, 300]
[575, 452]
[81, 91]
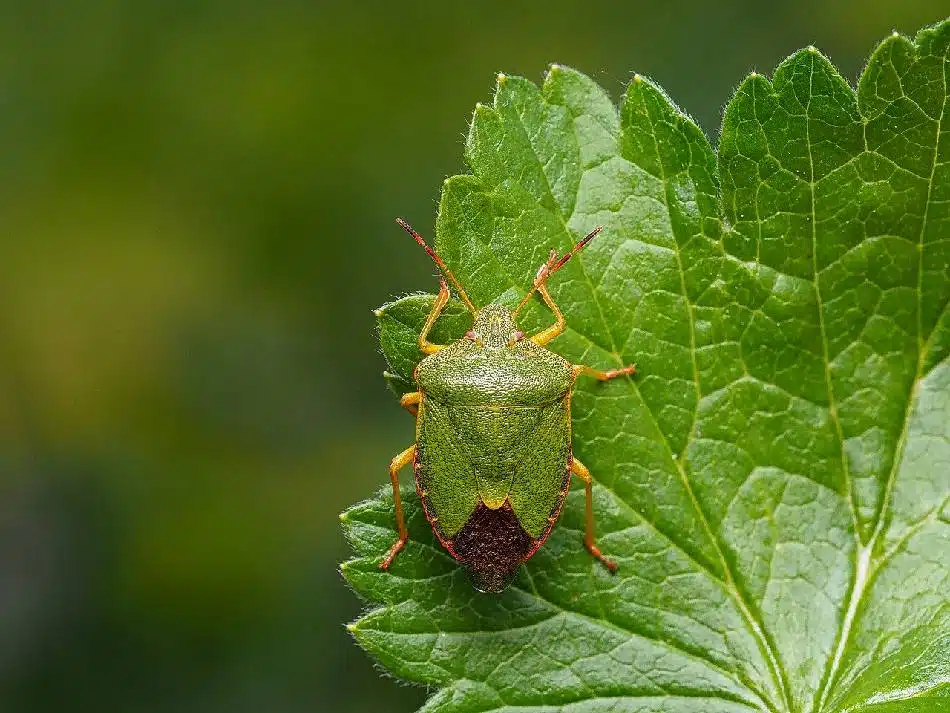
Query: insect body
[492, 456]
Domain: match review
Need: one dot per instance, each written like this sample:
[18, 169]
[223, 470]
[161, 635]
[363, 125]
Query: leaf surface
[775, 483]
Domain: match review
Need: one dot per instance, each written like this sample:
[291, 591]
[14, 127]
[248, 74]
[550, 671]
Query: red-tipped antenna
[574, 250]
[438, 261]
[554, 264]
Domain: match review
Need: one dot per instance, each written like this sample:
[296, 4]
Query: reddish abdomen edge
[492, 544]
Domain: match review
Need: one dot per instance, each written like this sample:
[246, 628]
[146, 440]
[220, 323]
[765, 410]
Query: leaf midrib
[756, 627]
[865, 567]
[759, 631]
[861, 561]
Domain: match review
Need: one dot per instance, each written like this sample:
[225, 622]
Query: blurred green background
[196, 213]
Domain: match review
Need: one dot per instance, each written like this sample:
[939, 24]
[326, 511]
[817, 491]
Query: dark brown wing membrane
[492, 544]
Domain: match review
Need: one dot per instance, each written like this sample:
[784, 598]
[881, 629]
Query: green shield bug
[492, 457]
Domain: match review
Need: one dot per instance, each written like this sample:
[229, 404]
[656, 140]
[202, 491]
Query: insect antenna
[442, 266]
[554, 264]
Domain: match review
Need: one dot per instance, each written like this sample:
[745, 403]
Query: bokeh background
[196, 220]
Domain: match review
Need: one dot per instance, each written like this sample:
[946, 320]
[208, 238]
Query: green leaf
[775, 484]
[399, 325]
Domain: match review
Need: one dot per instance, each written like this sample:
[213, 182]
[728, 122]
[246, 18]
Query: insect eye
[470, 334]
[516, 336]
